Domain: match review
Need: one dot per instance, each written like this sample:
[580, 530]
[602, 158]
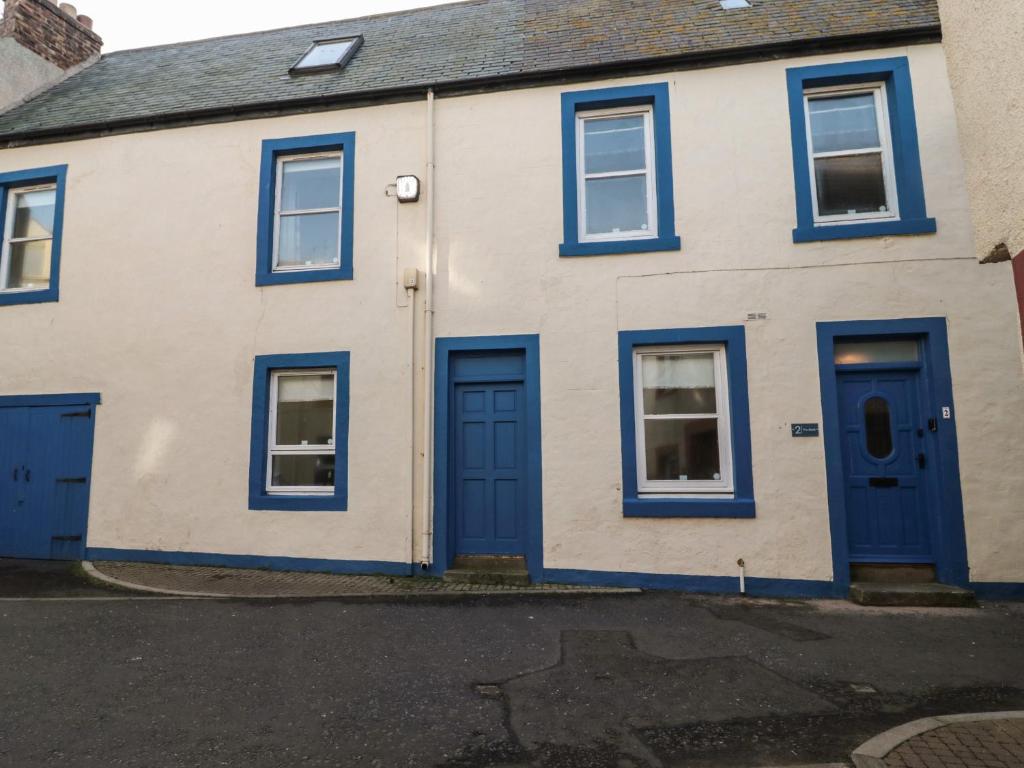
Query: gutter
[694, 60]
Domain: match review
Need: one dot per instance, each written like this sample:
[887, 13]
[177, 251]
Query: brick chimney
[57, 34]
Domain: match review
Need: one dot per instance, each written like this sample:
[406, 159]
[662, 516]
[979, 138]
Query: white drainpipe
[428, 351]
[410, 294]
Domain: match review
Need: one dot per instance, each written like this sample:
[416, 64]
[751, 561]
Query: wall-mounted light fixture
[407, 189]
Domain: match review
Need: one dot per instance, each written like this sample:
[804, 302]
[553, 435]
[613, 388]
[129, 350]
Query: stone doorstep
[892, 573]
[872, 753]
[501, 563]
[488, 569]
[496, 578]
[909, 595]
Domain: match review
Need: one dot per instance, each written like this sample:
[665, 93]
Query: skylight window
[732, 5]
[328, 54]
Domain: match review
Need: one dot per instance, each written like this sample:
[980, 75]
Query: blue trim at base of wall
[267, 562]
[757, 587]
[998, 590]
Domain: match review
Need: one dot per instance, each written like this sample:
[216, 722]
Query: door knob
[921, 461]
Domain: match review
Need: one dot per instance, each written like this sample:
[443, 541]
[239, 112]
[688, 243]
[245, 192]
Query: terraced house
[658, 293]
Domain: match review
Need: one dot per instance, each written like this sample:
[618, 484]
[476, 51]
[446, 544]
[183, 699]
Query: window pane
[616, 205]
[303, 469]
[679, 383]
[613, 144]
[33, 213]
[324, 54]
[852, 184]
[313, 183]
[887, 351]
[30, 265]
[844, 122]
[877, 427]
[305, 409]
[682, 449]
[308, 239]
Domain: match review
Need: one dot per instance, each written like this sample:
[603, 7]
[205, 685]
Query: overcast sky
[138, 23]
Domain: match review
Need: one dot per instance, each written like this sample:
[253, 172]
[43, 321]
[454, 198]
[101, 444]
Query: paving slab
[205, 581]
[980, 740]
[37, 579]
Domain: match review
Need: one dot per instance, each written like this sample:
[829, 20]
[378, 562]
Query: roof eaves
[693, 60]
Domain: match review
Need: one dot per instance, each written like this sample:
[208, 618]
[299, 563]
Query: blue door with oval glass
[885, 465]
[489, 467]
[45, 462]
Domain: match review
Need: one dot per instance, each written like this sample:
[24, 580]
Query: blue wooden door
[13, 489]
[45, 458]
[886, 467]
[489, 468]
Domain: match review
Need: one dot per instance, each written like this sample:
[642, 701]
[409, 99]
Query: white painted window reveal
[28, 238]
[302, 416]
[615, 175]
[307, 212]
[850, 154]
[683, 440]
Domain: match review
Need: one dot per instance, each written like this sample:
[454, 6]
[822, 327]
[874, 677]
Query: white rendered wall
[160, 314]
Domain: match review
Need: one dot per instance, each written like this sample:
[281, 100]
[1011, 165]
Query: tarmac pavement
[622, 681]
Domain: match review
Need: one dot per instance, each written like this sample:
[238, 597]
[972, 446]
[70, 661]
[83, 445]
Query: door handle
[15, 474]
[921, 461]
[28, 475]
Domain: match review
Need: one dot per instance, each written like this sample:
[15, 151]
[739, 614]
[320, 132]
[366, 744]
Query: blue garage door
[45, 461]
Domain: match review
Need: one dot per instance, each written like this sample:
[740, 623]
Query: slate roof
[466, 44]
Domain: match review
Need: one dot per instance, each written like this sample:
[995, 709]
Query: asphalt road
[602, 682]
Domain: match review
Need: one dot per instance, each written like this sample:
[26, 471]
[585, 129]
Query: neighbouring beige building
[983, 40]
[623, 293]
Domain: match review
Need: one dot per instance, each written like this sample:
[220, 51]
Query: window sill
[683, 507]
[280, 503]
[27, 297]
[669, 243]
[866, 229]
[303, 276]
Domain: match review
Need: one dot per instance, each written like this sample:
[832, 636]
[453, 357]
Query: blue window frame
[20, 185]
[274, 154]
[640, 110]
[262, 406]
[930, 333]
[693, 501]
[905, 213]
